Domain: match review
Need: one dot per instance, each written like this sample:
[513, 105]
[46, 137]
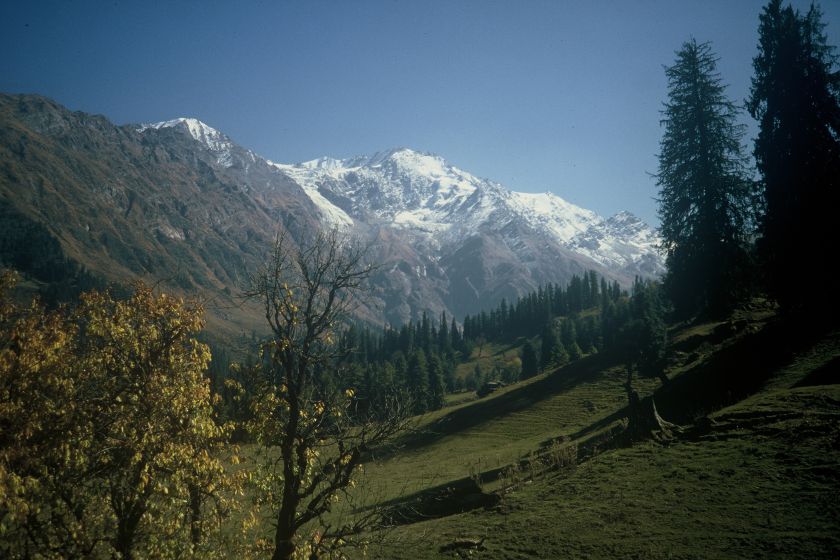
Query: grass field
[760, 478]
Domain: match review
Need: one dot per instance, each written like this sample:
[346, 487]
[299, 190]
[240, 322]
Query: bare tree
[304, 415]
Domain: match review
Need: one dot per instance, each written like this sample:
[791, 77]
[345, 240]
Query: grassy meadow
[753, 474]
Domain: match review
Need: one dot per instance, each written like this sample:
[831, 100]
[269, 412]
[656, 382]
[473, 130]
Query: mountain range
[181, 203]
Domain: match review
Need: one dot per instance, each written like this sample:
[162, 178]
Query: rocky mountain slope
[453, 241]
[430, 199]
[180, 202]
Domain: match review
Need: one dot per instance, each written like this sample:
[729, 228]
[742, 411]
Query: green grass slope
[755, 474]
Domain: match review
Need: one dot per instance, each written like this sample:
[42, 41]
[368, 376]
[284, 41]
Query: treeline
[528, 315]
[419, 360]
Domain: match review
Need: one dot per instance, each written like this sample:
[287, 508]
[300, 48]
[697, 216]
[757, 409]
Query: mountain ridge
[434, 166]
[435, 208]
[445, 199]
[181, 203]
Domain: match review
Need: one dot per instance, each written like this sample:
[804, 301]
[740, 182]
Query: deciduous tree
[313, 440]
[109, 443]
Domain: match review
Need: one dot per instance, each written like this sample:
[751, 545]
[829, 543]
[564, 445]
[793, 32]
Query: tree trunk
[125, 539]
[284, 546]
[195, 515]
[644, 421]
[128, 517]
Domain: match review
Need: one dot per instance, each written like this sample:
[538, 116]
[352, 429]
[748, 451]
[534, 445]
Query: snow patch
[331, 214]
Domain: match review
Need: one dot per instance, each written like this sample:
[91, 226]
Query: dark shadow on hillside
[515, 400]
[732, 373]
[597, 425]
[451, 498]
[829, 374]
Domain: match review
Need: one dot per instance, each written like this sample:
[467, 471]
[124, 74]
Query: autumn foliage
[109, 446]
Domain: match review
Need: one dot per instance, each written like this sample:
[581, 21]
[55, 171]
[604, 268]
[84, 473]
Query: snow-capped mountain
[425, 195]
[217, 142]
[447, 240]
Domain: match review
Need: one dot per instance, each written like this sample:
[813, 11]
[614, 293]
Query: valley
[410, 281]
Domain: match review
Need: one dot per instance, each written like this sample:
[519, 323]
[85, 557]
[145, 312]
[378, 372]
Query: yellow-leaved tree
[109, 444]
[46, 509]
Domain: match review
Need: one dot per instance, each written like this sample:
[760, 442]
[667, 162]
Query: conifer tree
[455, 334]
[652, 334]
[436, 384]
[444, 342]
[530, 366]
[549, 348]
[418, 380]
[705, 196]
[449, 379]
[795, 96]
[568, 336]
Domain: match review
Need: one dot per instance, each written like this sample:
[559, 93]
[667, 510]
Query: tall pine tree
[418, 381]
[795, 96]
[705, 196]
[550, 346]
[530, 364]
[437, 389]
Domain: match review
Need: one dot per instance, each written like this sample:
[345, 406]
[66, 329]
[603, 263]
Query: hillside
[140, 207]
[540, 469]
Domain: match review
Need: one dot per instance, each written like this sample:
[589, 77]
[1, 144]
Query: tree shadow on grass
[515, 400]
[737, 371]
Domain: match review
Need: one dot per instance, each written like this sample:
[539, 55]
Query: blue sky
[560, 96]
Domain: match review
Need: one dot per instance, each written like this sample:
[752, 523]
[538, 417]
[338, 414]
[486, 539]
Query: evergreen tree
[795, 96]
[705, 196]
[449, 379]
[436, 384]
[549, 347]
[643, 337]
[444, 342]
[425, 333]
[653, 335]
[400, 369]
[530, 365]
[418, 380]
[456, 335]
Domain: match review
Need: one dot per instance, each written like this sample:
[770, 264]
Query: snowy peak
[441, 205]
[217, 142]
[401, 187]
[547, 210]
